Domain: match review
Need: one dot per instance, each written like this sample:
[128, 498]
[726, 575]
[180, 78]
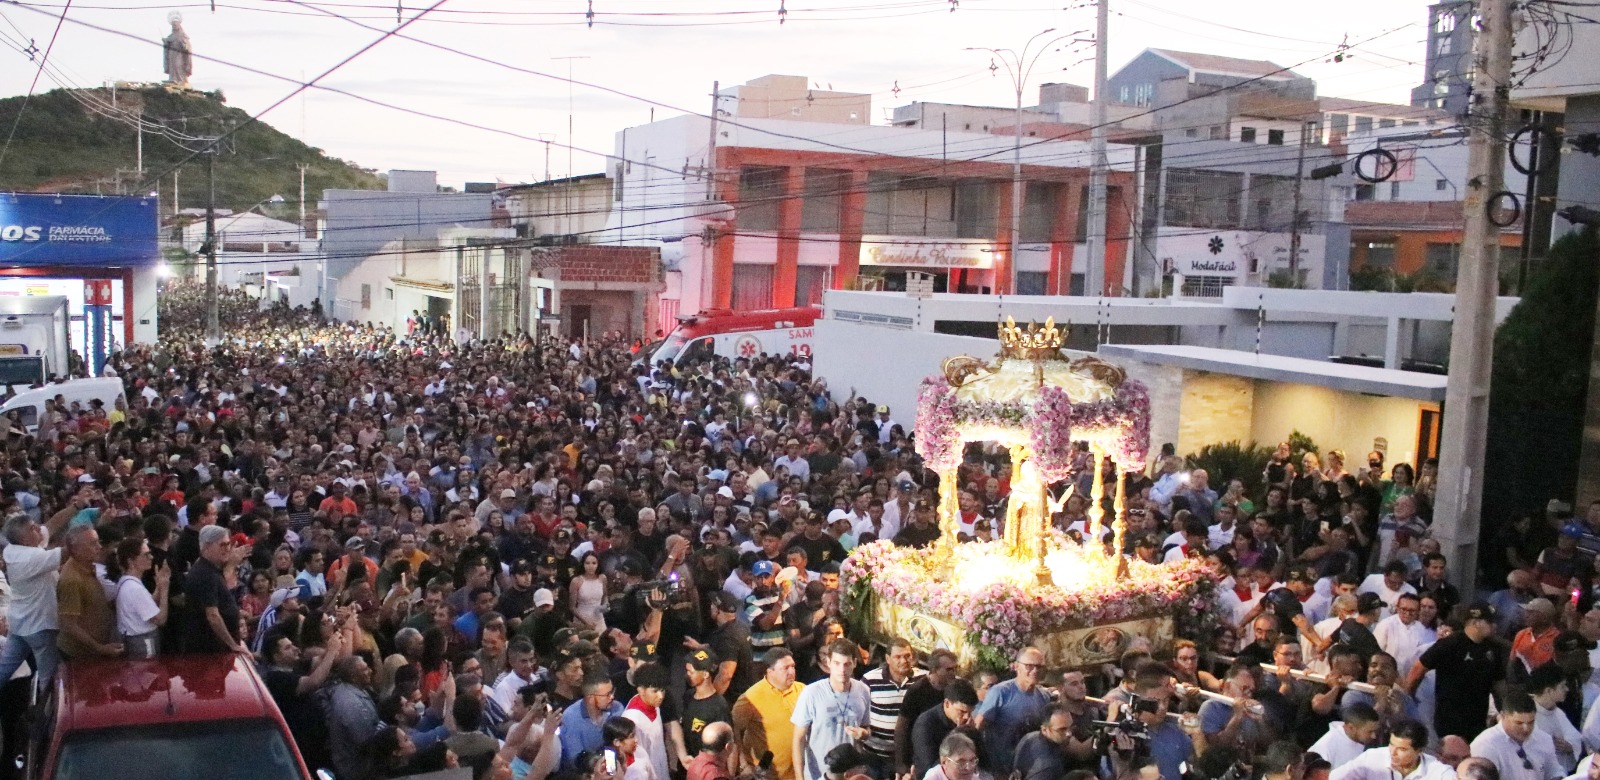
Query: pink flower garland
[936, 438]
[1050, 434]
[1005, 616]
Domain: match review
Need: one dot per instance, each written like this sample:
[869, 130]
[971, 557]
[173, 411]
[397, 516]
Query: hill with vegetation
[87, 141]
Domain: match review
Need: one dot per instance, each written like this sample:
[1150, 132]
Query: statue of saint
[179, 57]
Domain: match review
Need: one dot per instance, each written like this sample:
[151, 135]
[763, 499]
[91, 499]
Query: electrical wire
[49, 47]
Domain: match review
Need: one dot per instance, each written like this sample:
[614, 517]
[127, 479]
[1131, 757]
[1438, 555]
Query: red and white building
[755, 212]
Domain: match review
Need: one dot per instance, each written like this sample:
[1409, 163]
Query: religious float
[985, 601]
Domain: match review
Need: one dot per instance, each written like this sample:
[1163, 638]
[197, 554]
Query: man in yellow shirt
[761, 716]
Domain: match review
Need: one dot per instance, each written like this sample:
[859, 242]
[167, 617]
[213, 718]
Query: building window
[1386, 123]
[1363, 124]
[1444, 259]
[1366, 192]
[809, 282]
[1204, 199]
[388, 293]
[366, 296]
[977, 205]
[1032, 283]
[1444, 23]
[1380, 254]
[1219, 133]
[1144, 94]
[1442, 45]
[1206, 286]
[1394, 190]
[752, 287]
[1247, 135]
[1122, 94]
[1272, 200]
[824, 200]
[1440, 185]
[1193, 132]
[1038, 211]
[1275, 137]
[760, 196]
[1338, 124]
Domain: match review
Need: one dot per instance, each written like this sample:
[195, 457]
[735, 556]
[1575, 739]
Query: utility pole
[176, 207]
[567, 189]
[1466, 411]
[303, 167]
[1294, 221]
[1094, 277]
[711, 143]
[213, 318]
[1013, 251]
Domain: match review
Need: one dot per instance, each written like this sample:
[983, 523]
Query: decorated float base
[985, 606]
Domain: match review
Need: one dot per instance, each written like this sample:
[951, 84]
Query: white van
[30, 403]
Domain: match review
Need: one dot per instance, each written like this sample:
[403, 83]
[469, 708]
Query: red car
[169, 718]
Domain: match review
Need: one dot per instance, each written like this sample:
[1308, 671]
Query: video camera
[664, 593]
[1127, 722]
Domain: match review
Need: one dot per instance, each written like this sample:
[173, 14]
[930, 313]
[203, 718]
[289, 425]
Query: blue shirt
[1008, 712]
[1170, 747]
[829, 712]
[579, 733]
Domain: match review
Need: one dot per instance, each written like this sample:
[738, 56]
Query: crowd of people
[536, 558]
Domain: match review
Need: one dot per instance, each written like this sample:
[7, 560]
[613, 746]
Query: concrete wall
[358, 223]
[1337, 420]
[146, 325]
[1214, 408]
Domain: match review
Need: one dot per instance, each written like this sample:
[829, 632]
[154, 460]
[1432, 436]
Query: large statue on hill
[179, 57]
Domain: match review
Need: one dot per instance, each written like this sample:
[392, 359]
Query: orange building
[1409, 237]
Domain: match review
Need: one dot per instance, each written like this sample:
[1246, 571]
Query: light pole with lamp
[1018, 65]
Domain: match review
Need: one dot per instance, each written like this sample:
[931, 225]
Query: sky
[486, 110]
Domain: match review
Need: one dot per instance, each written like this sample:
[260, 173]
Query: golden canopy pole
[1096, 511]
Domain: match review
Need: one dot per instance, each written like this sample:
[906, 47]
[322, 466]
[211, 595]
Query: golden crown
[1033, 342]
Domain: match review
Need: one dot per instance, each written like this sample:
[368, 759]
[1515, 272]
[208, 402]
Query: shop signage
[38, 230]
[914, 252]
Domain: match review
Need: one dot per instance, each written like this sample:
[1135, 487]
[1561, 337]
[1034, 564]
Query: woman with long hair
[586, 594]
[140, 614]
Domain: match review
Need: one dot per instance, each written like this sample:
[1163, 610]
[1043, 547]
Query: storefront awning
[1278, 368]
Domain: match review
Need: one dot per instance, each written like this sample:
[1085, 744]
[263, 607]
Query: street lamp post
[1018, 65]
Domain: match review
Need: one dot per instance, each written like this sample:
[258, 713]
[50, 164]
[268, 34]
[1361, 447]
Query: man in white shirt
[31, 613]
[1518, 750]
[1401, 634]
[1388, 585]
[1347, 739]
[794, 461]
[1403, 759]
[1548, 687]
[522, 668]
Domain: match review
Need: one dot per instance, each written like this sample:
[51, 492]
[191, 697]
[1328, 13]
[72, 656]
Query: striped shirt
[758, 602]
[886, 697]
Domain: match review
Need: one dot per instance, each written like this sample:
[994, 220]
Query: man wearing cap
[210, 611]
[1470, 665]
[1356, 632]
[886, 425]
[764, 607]
[701, 708]
[921, 531]
[730, 643]
[1534, 645]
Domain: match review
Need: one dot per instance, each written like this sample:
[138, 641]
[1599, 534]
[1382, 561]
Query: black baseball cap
[1479, 610]
[1368, 602]
[703, 661]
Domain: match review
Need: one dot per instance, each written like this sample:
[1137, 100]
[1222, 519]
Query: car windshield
[668, 349]
[178, 752]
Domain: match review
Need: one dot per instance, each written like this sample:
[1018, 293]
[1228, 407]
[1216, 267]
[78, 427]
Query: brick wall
[627, 264]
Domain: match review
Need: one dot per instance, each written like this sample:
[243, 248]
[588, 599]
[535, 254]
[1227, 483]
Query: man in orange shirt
[1535, 645]
[337, 501]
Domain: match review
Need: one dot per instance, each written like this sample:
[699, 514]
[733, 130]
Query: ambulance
[740, 334]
